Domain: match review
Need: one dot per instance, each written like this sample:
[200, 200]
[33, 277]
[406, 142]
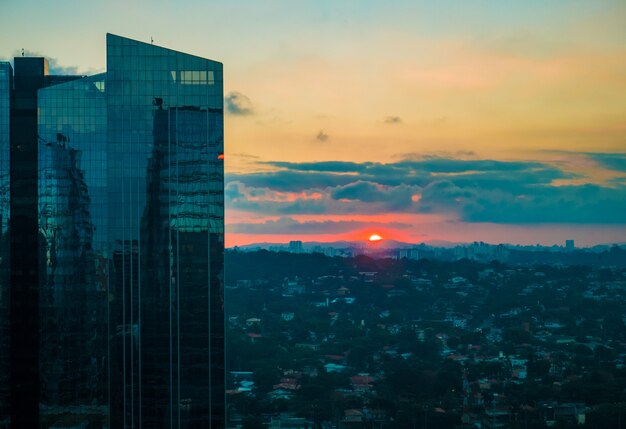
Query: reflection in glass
[5, 143]
[166, 211]
[73, 358]
[129, 299]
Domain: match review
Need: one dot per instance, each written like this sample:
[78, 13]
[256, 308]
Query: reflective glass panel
[5, 144]
[73, 306]
[165, 202]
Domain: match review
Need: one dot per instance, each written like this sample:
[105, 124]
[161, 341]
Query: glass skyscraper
[130, 228]
[6, 83]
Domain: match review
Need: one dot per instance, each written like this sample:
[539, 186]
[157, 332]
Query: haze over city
[417, 121]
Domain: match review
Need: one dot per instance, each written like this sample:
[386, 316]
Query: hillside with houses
[334, 342]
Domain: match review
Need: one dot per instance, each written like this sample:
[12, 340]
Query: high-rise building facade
[6, 83]
[123, 313]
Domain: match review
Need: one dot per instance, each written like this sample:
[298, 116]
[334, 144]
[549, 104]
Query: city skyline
[498, 122]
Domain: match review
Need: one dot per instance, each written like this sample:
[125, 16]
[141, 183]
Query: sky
[494, 121]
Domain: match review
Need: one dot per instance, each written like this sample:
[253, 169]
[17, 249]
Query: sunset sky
[498, 121]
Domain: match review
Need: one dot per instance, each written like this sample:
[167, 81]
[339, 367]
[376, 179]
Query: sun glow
[375, 237]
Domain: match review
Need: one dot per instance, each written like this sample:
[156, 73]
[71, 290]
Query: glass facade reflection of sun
[131, 237]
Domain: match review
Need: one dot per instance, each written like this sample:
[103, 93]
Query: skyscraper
[6, 84]
[124, 312]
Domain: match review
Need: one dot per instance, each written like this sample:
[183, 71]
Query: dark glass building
[6, 84]
[120, 301]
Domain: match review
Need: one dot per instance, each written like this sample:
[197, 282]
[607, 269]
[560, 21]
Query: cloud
[268, 201]
[54, 66]
[244, 155]
[611, 161]
[322, 136]
[289, 180]
[419, 156]
[427, 164]
[393, 120]
[362, 191]
[287, 225]
[292, 176]
[544, 204]
[233, 191]
[326, 166]
[526, 204]
[337, 200]
[238, 104]
[395, 198]
[472, 190]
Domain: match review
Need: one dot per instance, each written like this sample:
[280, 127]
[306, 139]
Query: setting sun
[375, 237]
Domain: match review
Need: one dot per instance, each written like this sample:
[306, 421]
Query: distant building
[327, 251]
[480, 251]
[296, 247]
[569, 245]
[408, 254]
[293, 287]
[573, 412]
[334, 367]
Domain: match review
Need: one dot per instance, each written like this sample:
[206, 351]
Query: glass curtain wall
[6, 74]
[73, 248]
[165, 205]
[130, 233]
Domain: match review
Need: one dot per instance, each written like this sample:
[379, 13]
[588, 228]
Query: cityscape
[318, 341]
[312, 215]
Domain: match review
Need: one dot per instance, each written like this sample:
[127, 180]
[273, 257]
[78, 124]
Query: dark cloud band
[508, 192]
[287, 225]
